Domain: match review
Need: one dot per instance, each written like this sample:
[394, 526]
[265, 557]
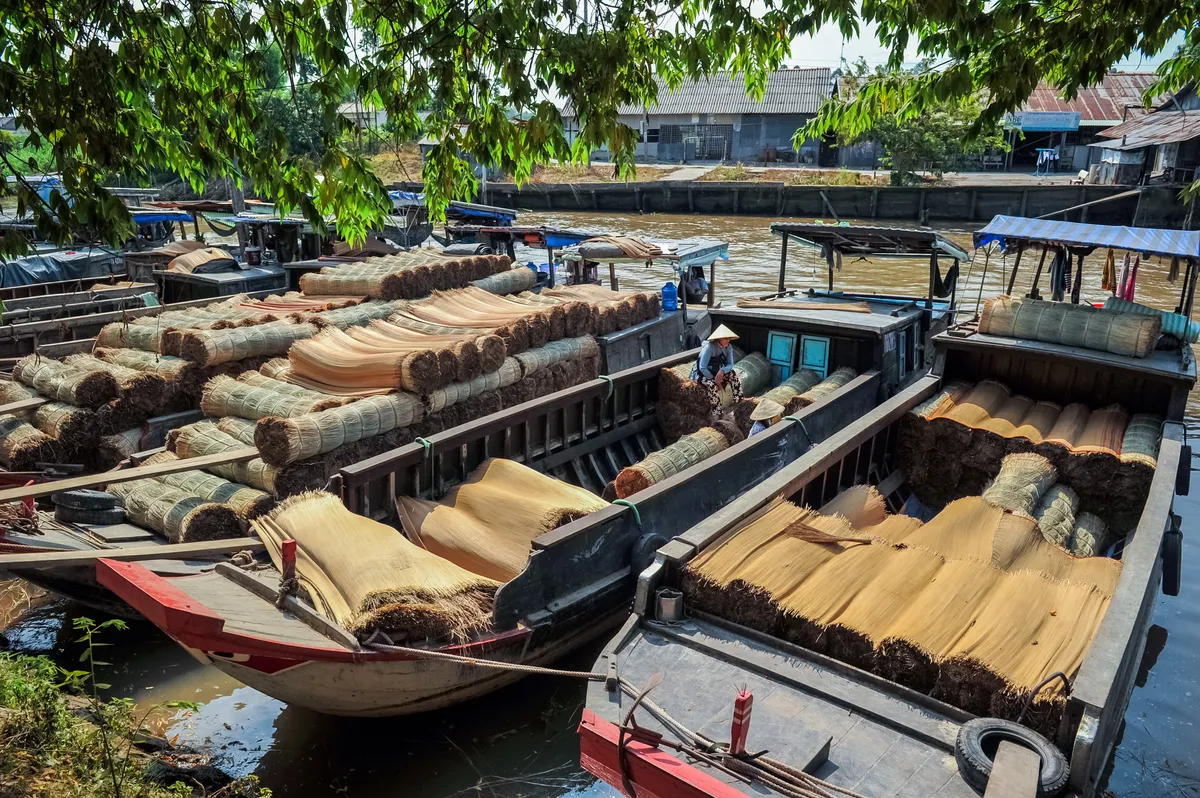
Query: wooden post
[550, 260]
[287, 551]
[953, 292]
[1187, 280]
[1016, 265]
[783, 263]
[829, 261]
[874, 202]
[974, 199]
[612, 276]
[1192, 289]
[932, 281]
[510, 249]
[1037, 277]
[712, 282]
[1024, 201]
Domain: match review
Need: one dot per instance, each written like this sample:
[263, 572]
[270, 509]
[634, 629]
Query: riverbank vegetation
[794, 177]
[60, 739]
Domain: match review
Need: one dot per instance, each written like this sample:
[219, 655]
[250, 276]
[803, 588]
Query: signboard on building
[1044, 121]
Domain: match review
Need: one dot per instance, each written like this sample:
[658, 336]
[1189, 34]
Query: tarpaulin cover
[150, 217]
[82, 264]
[1007, 231]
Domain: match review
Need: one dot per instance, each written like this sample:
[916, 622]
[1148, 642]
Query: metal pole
[783, 263]
[987, 256]
[550, 258]
[712, 282]
[932, 280]
[1033, 291]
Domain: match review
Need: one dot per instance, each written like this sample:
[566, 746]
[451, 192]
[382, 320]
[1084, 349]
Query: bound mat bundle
[1128, 334]
[487, 524]
[367, 576]
[403, 275]
[614, 310]
[953, 443]
[974, 607]
[683, 405]
[675, 458]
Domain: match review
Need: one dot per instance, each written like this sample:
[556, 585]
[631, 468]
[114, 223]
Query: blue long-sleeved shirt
[713, 358]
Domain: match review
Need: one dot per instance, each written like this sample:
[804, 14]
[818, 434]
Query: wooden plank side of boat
[282, 653]
[1102, 687]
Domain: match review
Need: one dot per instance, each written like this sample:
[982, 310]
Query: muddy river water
[521, 741]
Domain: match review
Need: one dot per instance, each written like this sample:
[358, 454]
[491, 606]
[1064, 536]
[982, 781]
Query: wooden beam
[24, 404]
[129, 474]
[169, 551]
[1015, 772]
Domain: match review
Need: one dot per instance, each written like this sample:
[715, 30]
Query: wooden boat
[852, 727]
[578, 577]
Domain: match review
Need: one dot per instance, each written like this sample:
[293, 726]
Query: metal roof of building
[1104, 104]
[789, 91]
[1160, 127]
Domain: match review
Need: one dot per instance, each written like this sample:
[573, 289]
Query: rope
[286, 588]
[637, 516]
[609, 380]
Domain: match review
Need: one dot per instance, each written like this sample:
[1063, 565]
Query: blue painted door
[814, 354]
[781, 354]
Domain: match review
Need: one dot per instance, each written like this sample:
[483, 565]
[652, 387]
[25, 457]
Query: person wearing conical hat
[714, 367]
[766, 414]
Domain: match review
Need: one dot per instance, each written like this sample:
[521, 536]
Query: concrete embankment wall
[1153, 206]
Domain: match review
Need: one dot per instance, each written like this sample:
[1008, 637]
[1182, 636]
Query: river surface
[520, 741]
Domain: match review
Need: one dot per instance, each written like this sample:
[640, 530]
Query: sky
[826, 49]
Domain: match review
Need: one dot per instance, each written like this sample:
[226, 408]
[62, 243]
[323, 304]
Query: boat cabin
[817, 626]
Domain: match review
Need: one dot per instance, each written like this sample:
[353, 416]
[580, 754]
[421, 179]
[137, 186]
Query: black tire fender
[975, 752]
[84, 499]
[1172, 555]
[69, 515]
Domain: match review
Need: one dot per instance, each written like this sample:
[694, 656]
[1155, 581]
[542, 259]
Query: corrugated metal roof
[1160, 127]
[1103, 104]
[789, 91]
[1010, 230]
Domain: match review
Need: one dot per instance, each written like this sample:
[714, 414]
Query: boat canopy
[1013, 231]
[141, 217]
[871, 241]
[683, 253]
[541, 237]
[494, 214]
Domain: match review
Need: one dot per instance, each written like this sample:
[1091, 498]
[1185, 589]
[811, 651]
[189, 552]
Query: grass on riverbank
[793, 177]
[594, 173]
[58, 739]
[398, 166]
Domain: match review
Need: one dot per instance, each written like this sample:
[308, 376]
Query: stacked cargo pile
[975, 607]
[1131, 334]
[683, 405]
[953, 444]
[404, 275]
[675, 458]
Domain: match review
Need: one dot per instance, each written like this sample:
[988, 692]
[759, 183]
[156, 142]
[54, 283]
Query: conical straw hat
[723, 332]
[767, 408]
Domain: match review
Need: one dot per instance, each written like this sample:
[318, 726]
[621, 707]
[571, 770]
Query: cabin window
[781, 354]
[814, 354]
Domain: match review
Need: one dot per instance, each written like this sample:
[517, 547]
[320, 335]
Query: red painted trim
[196, 626]
[654, 773]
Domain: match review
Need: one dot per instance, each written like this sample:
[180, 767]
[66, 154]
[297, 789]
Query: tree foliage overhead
[131, 87]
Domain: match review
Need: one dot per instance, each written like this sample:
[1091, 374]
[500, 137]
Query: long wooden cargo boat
[578, 577]
[694, 675]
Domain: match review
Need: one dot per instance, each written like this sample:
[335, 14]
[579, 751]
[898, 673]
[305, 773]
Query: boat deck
[881, 739]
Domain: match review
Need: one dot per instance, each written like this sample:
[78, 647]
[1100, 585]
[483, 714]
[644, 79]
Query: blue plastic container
[670, 297]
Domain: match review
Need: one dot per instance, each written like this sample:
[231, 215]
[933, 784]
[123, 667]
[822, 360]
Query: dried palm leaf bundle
[861, 505]
[121, 414]
[1126, 334]
[245, 501]
[1018, 546]
[553, 352]
[204, 437]
[800, 382]
[1022, 480]
[276, 368]
[114, 448]
[917, 437]
[669, 461]
[755, 374]
[622, 307]
[13, 391]
[75, 428]
[121, 335]
[1055, 515]
[515, 280]
[1141, 440]
[57, 380]
[293, 302]
[365, 576]
[838, 379]
[353, 316]
[1090, 538]
[487, 524]
[212, 347]
[180, 374]
[23, 446]
[286, 440]
[240, 428]
[177, 515]
[225, 396]
[144, 388]
[256, 379]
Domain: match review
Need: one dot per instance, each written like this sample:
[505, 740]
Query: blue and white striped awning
[1008, 231]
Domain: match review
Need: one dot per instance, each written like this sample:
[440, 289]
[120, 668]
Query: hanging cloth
[1108, 281]
[943, 287]
[1173, 274]
[1078, 285]
[1132, 284]
[1124, 276]
[1057, 277]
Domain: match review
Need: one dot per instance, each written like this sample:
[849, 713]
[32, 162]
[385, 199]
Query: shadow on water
[520, 742]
